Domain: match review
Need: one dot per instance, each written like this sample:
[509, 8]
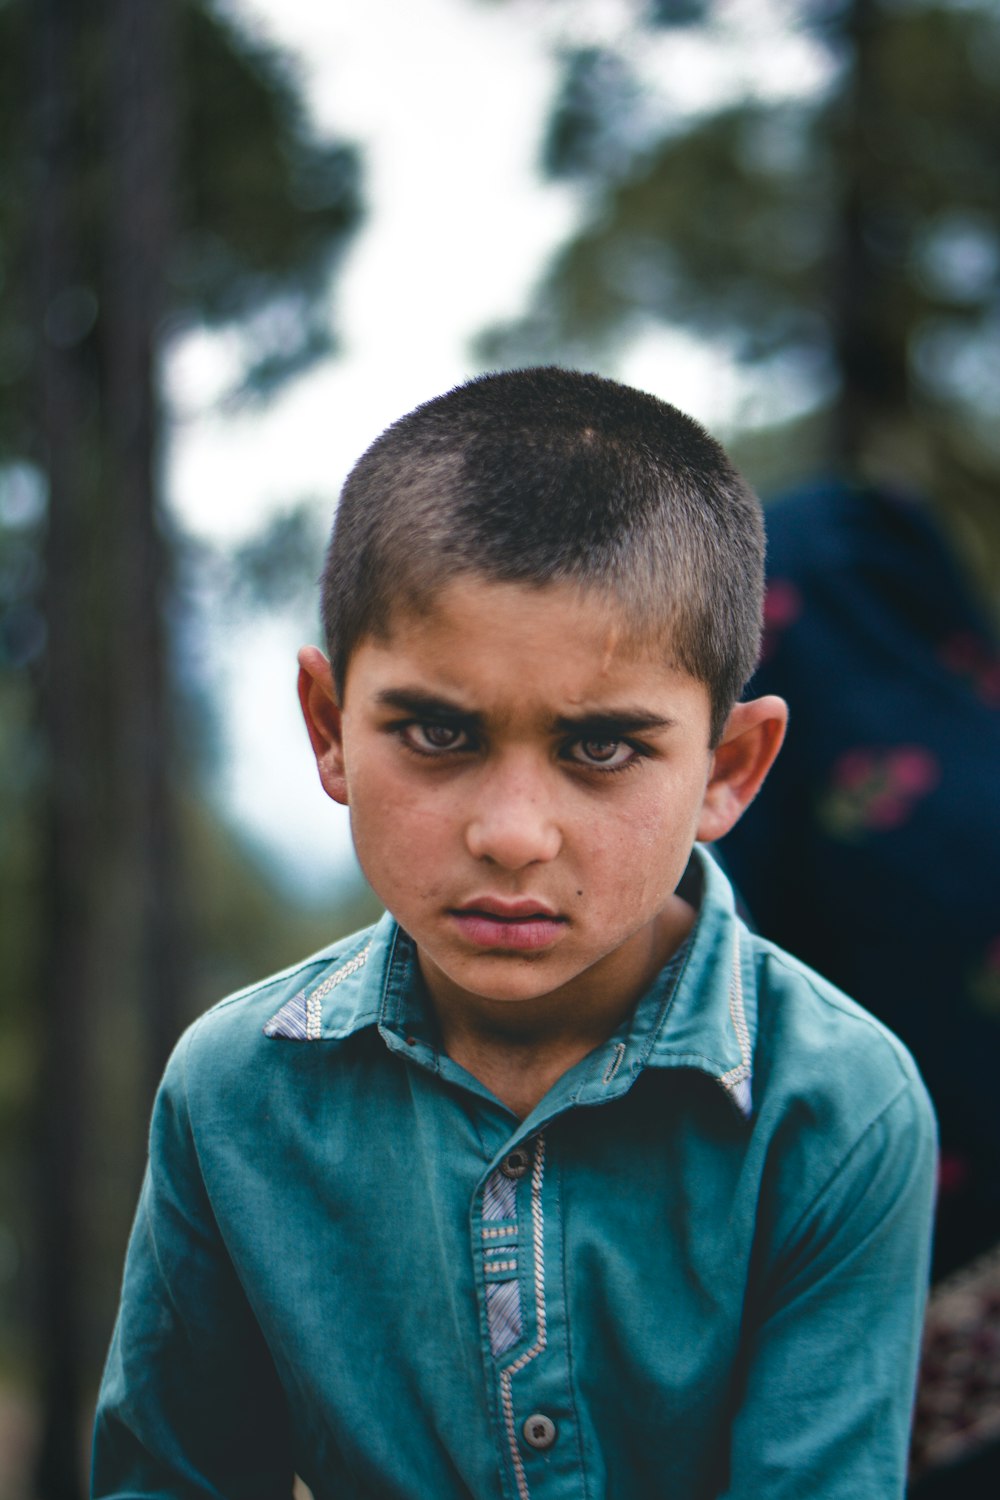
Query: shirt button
[539, 1431]
[516, 1163]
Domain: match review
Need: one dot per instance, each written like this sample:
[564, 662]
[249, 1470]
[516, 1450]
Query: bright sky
[448, 101]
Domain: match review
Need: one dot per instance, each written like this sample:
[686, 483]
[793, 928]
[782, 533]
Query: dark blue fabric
[872, 851]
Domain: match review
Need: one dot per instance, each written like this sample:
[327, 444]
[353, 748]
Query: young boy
[557, 1182]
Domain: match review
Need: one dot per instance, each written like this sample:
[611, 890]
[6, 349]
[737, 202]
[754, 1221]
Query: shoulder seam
[827, 993]
[905, 1091]
[326, 957]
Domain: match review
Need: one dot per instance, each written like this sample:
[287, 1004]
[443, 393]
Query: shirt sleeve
[827, 1390]
[190, 1404]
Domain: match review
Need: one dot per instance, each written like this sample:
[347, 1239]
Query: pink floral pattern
[783, 604]
[874, 789]
[970, 657]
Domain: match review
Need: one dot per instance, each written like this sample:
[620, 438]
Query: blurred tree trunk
[109, 966]
[94, 111]
[67, 968]
[140, 158]
[868, 339]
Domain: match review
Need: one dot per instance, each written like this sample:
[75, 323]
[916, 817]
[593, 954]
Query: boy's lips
[490, 922]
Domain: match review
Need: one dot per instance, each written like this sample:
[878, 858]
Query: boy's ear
[744, 755]
[324, 721]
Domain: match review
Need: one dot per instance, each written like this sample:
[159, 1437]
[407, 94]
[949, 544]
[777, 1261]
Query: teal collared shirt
[696, 1269]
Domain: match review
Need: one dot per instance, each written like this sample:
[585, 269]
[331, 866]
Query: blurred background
[236, 240]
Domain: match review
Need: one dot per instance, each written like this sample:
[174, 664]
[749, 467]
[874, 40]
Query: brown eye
[602, 750]
[605, 755]
[431, 739]
[438, 735]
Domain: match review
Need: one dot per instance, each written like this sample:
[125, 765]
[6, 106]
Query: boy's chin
[497, 979]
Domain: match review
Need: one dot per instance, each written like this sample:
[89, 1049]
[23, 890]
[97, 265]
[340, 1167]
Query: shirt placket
[537, 1431]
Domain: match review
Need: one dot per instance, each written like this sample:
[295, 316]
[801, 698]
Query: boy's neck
[520, 1050]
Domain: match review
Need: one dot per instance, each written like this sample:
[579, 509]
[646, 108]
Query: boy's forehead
[551, 629]
[543, 610]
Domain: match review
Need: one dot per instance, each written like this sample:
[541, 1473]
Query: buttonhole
[615, 1063]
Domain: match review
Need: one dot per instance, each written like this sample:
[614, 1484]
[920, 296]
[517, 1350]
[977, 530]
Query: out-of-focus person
[872, 852]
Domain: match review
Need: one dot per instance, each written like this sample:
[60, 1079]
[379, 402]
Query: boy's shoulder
[825, 1068]
[787, 988]
[842, 1120]
[333, 992]
[810, 1073]
[811, 1051]
[813, 1021]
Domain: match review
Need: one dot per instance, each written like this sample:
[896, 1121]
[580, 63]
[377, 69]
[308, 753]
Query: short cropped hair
[542, 476]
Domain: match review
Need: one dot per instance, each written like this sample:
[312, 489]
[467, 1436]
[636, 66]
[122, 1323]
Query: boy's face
[525, 786]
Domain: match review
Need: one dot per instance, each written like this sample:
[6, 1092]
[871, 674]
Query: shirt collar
[700, 1013]
[708, 1018]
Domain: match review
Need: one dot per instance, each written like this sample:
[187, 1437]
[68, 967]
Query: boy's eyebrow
[617, 721]
[416, 701]
[623, 720]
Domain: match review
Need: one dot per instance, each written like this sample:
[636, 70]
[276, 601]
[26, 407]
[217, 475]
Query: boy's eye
[607, 754]
[434, 739]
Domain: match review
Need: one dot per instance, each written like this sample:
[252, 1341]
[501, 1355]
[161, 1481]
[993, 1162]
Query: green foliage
[855, 232]
[281, 564]
[677, 12]
[245, 925]
[16, 334]
[585, 133]
[262, 204]
[700, 231]
[263, 208]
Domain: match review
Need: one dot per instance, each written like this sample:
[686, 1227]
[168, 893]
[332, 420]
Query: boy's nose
[513, 823]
